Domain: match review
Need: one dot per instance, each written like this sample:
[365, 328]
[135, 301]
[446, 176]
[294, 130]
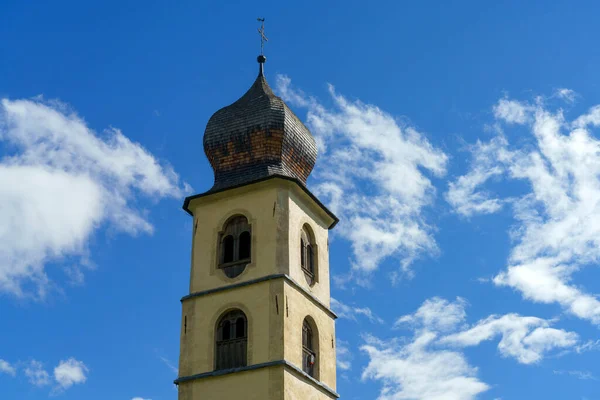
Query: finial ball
[261, 59]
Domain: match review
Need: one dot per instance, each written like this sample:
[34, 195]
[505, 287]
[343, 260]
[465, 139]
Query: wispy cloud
[582, 375]
[60, 181]
[512, 112]
[67, 373]
[590, 345]
[565, 94]
[7, 368]
[343, 355]
[36, 374]
[436, 314]
[373, 172]
[418, 371]
[431, 364]
[556, 232]
[526, 339]
[465, 194]
[169, 364]
[70, 372]
[352, 312]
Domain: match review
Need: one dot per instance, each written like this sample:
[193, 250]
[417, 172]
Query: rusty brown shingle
[256, 137]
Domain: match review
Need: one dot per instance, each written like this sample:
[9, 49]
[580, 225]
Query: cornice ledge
[259, 280]
[284, 363]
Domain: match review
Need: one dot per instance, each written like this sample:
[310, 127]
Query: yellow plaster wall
[298, 308]
[265, 206]
[260, 384]
[265, 325]
[296, 388]
[276, 209]
[273, 383]
[302, 211]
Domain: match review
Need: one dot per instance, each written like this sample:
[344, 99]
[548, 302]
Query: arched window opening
[235, 246]
[309, 354]
[232, 341]
[226, 330]
[244, 245]
[310, 266]
[228, 249]
[307, 254]
[240, 328]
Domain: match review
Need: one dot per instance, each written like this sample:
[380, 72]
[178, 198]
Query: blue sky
[458, 145]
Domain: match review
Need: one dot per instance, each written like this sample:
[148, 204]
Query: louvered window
[235, 246]
[309, 356]
[232, 341]
[307, 254]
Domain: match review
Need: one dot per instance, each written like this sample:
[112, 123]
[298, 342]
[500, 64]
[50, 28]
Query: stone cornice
[286, 277]
[335, 220]
[286, 364]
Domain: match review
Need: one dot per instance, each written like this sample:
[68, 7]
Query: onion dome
[257, 137]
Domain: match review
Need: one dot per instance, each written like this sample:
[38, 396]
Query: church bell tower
[257, 322]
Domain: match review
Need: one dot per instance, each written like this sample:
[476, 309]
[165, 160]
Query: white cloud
[70, 372]
[582, 375]
[436, 314]
[350, 312]
[431, 364]
[60, 181]
[566, 94]
[591, 118]
[417, 371]
[343, 355]
[590, 345]
[140, 398]
[169, 364]
[526, 339]
[36, 374]
[463, 195]
[292, 95]
[372, 173]
[7, 368]
[512, 112]
[556, 232]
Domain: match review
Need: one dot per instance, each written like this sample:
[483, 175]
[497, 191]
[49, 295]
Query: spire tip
[261, 62]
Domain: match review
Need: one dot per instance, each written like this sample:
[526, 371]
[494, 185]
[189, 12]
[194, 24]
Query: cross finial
[263, 38]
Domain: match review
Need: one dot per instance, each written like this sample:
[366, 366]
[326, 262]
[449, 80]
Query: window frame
[308, 254]
[235, 226]
[310, 347]
[225, 356]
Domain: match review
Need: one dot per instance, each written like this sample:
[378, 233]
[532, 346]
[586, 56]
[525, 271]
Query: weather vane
[263, 38]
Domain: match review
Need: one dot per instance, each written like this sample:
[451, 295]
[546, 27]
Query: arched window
[228, 249]
[244, 245]
[240, 327]
[309, 353]
[235, 246]
[226, 330]
[307, 254]
[232, 340]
